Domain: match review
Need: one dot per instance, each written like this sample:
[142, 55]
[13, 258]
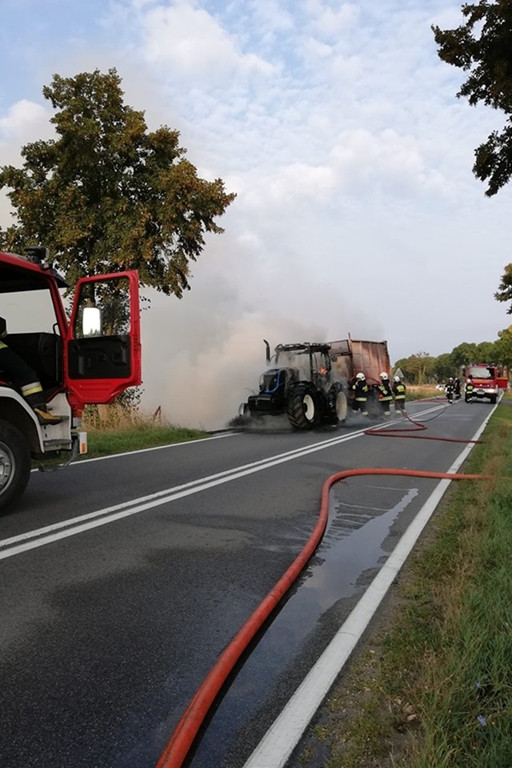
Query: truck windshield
[479, 372]
[29, 312]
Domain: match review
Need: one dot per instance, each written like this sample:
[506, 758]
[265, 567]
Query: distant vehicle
[440, 387]
[309, 382]
[488, 381]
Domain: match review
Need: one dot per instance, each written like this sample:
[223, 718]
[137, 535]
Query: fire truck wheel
[303, 411]
[14, 464]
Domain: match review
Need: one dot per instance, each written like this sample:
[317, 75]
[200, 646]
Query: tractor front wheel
[303, 410]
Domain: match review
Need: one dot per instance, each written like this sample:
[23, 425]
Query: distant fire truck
[488, 381]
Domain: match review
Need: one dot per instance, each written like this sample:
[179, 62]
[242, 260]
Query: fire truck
[92, 357]
[488, 381]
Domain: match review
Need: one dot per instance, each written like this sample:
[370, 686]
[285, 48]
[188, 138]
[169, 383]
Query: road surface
[123, 579]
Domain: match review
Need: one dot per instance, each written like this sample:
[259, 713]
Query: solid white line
[286, 731]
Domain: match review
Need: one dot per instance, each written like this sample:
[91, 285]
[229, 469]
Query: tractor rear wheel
[14, 464]
[303, 410]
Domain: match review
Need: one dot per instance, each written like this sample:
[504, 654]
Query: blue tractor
[300, 383]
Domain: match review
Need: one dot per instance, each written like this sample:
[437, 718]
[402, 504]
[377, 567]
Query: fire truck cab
[487, 381]
[92, 357]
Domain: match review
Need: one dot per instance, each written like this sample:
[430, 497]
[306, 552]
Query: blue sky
[338, 127]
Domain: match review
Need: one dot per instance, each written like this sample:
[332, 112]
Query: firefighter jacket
[360, 389]
[399, 390]
[384, 390]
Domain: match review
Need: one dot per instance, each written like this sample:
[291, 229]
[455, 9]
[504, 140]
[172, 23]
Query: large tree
[107, 194]
[418, 368]
[482, 46]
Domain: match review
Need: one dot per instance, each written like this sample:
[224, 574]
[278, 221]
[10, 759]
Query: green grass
[106, 442]
[432, 687]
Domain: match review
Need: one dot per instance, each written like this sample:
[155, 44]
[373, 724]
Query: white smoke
[203, 355]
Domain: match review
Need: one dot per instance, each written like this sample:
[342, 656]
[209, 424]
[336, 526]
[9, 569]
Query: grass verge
[106, 442]
[431, 686]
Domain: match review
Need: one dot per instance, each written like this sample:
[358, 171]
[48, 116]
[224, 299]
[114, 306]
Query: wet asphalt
[106, 634]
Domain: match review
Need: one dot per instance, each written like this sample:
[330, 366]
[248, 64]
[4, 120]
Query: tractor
[300, 383]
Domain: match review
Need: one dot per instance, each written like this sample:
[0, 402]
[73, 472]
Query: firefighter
[449, 390]
[456, 388]
[399, 390]
[469, 389]
[385, 394]
[25, 380]
[360, 390]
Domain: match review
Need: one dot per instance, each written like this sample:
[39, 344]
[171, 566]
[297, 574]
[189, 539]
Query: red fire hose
[188, 727]
[418, 427]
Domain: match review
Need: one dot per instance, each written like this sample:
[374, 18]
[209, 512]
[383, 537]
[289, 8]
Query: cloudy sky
[338, 127]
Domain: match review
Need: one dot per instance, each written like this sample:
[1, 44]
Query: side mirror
[91, 321]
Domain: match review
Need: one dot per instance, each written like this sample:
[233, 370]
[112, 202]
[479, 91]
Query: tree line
[422, 368]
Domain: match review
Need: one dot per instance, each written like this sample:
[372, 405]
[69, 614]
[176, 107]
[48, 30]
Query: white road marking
[287, 729]
[15, 545]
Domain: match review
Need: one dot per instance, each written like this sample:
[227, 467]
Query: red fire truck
[487, 380]
[90, 358]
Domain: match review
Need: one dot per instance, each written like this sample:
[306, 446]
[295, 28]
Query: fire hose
[186, 732]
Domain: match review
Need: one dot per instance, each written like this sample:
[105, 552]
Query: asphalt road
[123, 579]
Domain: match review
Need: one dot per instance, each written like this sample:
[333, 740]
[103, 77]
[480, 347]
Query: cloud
[338, 127]
[25, 121]
[193, 45]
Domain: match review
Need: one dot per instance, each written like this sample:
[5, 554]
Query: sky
[337, 126]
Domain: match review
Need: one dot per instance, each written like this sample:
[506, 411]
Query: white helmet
[397, 378]
[360, 376]
[384, 375]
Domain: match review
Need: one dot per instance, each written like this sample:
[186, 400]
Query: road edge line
[287, 729]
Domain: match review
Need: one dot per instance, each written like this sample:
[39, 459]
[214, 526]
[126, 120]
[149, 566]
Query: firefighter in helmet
[399, 390]
[449, 390]
[360, 389]
[384, 393]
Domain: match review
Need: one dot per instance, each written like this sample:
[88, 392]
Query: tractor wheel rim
[309, 407]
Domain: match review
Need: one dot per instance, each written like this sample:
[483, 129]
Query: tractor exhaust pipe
[267, 351]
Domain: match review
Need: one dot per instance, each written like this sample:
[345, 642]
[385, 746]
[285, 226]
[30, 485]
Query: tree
[443, 367]
[482, 46]
[418, 368]
[486, 352]
[107, 195]
[464, 354]
[504, 292]
[504, 347]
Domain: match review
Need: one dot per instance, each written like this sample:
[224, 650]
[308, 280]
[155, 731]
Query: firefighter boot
[45, 418]
[37, 402]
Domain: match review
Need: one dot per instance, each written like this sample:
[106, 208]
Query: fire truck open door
[103, 352]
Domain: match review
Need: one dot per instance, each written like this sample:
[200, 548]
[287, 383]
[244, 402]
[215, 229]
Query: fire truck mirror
[91, 321]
